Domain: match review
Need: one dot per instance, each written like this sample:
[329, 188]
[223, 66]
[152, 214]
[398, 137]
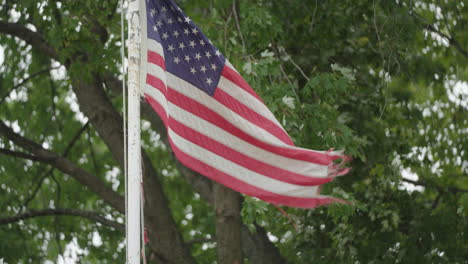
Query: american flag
[216, 123]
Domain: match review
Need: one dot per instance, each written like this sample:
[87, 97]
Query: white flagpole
[134, 145]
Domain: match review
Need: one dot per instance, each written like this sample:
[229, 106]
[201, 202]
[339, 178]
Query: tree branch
[201, 240]
[75, 139]
[32, 76]
[439, 188]
[452, 41]
[32, 38]
[66, 166]
[18, 154]
[37, 188]
[50, 171]
[63, 211]
[430, 27]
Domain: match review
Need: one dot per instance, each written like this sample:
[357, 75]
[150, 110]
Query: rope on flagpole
[124, 98]
[142, 219]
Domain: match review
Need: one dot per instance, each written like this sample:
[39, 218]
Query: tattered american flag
[216, 123]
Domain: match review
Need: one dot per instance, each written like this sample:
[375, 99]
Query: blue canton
[188, 53]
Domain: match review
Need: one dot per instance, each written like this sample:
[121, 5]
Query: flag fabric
[216, 124]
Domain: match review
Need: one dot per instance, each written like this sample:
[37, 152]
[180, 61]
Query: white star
[178, 8]
[159, 23]
[170, 21]
[194, 31]
[187, 19]
[209, 41]
[176, 34]
[197, 56]
[181, 45]
[207, 54]
[153, 11]
[217, 53]
[155, 28]
[192, 44]
[163, 9]
[171, 48]
[192, 70]
[202, 42]
[179, 19]
[165, 35]
[186, 31]
[172, 8]
[209, 81]
[187, 58]
[176, 60]
[203, 68]
[213, 67]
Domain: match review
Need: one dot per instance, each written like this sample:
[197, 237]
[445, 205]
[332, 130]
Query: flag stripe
[239, 172]
[209, 115]
[156, 83]
[304, 195]
[247, 113]
[234, 77]
[268, 122]
[260, 112]
[241, 159]
[158, 108]
[247, 99]
[155, 46]
[207, 101]
[224, 137]
[321, 157]
[155, 58]
[301, 172]
[251, 190]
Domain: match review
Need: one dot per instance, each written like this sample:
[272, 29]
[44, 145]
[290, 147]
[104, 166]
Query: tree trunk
[228, 225]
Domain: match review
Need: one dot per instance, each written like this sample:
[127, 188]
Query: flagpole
[134, 145]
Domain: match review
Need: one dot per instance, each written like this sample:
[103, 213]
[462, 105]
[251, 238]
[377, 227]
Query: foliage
[384, 80]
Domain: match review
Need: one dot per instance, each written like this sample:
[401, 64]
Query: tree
[384, 80]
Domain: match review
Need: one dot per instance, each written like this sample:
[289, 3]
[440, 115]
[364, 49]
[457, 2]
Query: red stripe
[234, 77]
[155, 58]
[157, 108]
[252, 116]
[242, 159]
[245, 188]
[156, 83]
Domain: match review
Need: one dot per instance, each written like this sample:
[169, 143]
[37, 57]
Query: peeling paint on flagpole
[134, 146]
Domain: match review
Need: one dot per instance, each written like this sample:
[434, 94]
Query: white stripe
[157, 72]
[155, 46]
[240, 172]
[228, 63]
[157, 96]
[247, 99]
[220, 135]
